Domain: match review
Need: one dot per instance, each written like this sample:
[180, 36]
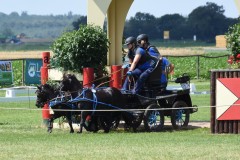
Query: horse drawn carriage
[108, 106]
[155, 102]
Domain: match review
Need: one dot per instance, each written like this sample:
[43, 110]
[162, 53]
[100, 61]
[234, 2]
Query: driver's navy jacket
[145, 60]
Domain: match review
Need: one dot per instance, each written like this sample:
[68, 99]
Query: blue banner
[32, 71]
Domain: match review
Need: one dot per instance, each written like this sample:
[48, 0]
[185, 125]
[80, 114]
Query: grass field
[22, 137]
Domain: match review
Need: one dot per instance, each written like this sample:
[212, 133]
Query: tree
[141, 23]
[82, 20]
[24, 14]
[207, 21]
[7, 32]
[14, 14]
[86, 47]
[174, 23]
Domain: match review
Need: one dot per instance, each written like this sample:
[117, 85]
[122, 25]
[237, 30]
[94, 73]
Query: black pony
[93, 100]
[45, 94]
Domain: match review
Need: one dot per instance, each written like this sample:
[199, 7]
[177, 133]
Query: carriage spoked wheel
[153, 118]
[180, 117]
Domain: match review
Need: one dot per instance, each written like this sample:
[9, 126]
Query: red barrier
[46, 58]
[116, 76]
[44, 75]
[44, 68]
[44, 78]
[88, 77]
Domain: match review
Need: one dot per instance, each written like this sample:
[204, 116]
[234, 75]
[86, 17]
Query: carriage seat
[154, 80]
[183, 79]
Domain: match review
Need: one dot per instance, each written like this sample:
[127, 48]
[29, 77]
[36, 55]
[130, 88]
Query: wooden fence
[222, 126]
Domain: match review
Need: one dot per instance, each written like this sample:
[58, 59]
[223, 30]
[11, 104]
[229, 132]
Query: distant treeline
[35, 26]
[205, 22]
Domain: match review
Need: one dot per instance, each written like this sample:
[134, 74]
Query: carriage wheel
[153, 119]
[180, 117]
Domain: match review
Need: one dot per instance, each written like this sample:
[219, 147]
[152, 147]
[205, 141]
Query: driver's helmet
[130, 40]
[142, 37]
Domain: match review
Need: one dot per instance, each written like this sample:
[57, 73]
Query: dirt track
[21, 55]
[38, 54]
[167, 125]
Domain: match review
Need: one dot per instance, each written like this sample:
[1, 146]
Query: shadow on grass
[166, 128]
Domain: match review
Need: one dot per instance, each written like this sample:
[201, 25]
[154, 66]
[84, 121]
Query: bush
[86, 47]
[233, 45]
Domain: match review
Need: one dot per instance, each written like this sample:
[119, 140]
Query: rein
[98, 80]
[94, 100]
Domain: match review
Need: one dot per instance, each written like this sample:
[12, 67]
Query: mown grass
[22, 137]
[35, 143]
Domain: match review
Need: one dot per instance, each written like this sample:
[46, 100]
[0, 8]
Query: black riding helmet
[130, 40]
[142, 37]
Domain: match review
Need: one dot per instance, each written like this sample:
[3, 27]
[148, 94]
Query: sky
[157, 8]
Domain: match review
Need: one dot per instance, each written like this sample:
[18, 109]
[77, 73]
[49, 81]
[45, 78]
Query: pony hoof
[71, 131]
[49, 131]
[106, 131]
[79, 132]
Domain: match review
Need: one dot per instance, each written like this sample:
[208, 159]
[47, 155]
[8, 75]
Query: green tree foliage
[173, 23]
[85, 47]
[141, 23]
[80, 21]
[4, 34]
[205, 22]
[208, 21]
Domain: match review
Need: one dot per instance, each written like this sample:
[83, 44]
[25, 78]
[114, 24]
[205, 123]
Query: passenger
[143, 42]
[131, 43]
[167, 67]
[140, 69]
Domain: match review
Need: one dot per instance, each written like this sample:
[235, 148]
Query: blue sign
[32, 71]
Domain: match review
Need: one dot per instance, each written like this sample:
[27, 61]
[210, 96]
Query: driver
[141, 67]
[167, 67]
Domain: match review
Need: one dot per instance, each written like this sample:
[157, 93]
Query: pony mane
[71, 80]
[44, 93]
